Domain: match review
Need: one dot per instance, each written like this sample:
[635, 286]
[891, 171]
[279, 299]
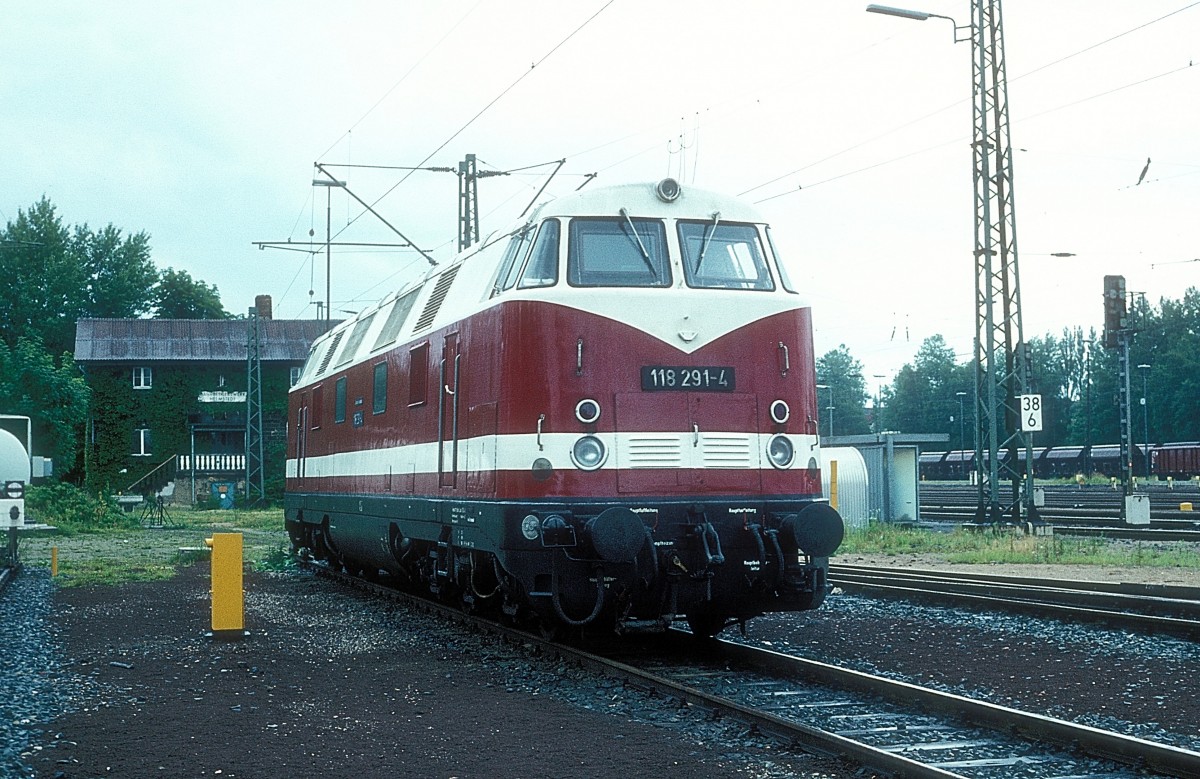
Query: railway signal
[1115, 319]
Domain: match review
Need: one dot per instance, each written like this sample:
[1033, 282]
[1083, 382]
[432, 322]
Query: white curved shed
[853, 489]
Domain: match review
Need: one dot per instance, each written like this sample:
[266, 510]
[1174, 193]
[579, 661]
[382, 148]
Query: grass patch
[962, 546]
[111, 554]
[279, 560]
[109, 571]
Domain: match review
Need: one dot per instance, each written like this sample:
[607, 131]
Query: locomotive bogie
[653, 563]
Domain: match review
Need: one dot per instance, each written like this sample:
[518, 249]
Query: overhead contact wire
[485, 109]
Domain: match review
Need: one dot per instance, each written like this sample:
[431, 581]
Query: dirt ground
[333, 684]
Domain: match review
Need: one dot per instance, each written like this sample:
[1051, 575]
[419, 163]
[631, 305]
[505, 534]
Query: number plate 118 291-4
[656, 378]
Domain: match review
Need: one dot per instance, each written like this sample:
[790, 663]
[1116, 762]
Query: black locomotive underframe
[714, 561]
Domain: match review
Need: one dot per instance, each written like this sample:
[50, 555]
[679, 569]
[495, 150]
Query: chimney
[262, 303]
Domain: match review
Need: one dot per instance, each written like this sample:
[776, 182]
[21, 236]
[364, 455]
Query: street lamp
[962, 443]
[1000, 357]
[920, 16]
[1087, 389]
[1145, 369]
[830, 406]
[878, 392]
[329, 185]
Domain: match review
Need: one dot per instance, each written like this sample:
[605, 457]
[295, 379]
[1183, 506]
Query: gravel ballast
[335, 683]
[120, 681]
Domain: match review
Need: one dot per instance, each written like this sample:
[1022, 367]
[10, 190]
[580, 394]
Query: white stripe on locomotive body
[687, 318]
[721, 450]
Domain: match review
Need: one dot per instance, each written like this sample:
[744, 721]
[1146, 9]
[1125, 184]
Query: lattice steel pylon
[255, 481]
[1001, 371]
[468, 202]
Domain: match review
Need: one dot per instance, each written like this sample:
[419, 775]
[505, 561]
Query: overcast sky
[199, 122]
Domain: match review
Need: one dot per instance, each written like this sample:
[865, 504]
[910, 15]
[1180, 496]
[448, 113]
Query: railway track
[891, 727]
[1151, 608]
[7, 573]
[1087, 511]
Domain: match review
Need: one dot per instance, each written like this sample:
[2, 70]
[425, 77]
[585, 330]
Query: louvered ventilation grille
[652, 451]
[436, 298]
[333, 347]
[726, 450]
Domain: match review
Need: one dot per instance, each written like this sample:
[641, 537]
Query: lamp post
[878, 405]
[962, 442]
[329, 185]
[830, 406]
[1145, 369]
[1001, 368]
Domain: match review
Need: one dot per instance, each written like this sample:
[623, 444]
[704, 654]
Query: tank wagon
[605, 417]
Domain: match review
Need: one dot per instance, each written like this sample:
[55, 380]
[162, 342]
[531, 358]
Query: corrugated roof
[188, 340]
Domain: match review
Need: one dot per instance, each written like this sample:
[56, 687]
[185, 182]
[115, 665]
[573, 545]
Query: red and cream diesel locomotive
[604, 418]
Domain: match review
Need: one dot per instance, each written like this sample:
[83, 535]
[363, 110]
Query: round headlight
[780, 451]
[668, 190]
[531, 527]
[780, 412]
[587, 411]
[588, 453]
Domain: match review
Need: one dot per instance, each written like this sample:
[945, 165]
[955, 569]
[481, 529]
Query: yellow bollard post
[227, 596]
[53, 561]
[833, 498]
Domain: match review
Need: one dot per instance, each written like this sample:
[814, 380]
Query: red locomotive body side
[541, 380]
[531, 434]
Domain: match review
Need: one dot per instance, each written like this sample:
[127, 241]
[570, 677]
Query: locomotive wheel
[705, 625]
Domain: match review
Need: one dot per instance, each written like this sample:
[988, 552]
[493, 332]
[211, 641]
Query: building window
[141, 442]
[339, 400]
[418, 374]
[294, 375]
[379, 393]
[143, 378]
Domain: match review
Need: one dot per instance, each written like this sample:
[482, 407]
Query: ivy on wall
[119, 409]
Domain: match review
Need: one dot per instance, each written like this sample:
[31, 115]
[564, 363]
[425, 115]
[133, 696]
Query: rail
[782, 696]
[1164, 609]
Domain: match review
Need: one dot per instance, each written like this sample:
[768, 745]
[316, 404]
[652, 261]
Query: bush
[71, 509]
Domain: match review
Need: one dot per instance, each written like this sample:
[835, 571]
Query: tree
[54, 276]
[846, 392]
[55, 397]
[923, 397]
[178, 296]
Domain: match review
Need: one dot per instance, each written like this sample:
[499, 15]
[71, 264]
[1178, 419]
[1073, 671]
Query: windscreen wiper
[708, 234]
[638, 240]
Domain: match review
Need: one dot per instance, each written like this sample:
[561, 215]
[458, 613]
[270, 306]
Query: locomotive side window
[619, 252]
[418, 374]
[720, 255]
[339, 401]
[783, 276]
[542, 269]
[379, 389]
[514, 256]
